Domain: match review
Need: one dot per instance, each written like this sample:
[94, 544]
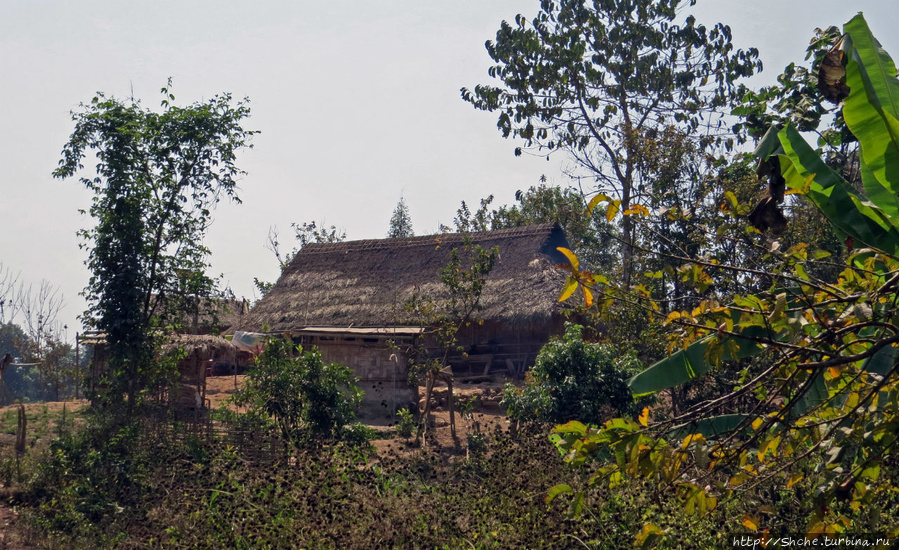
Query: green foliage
[333, 500]
[464, 277]
[817, 403]
[467, 221]
[157, 177]
[604, 82]
[87, 478]
[400, 222]
[573, 379]
[406, 425]
[307, 398]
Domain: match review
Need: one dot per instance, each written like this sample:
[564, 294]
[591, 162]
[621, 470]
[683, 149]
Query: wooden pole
[77, 364]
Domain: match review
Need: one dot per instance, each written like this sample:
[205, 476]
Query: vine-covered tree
[157, 177]
[400, 221]
[596, 79]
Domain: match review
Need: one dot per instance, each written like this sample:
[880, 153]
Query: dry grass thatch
[200, 348]
[366, 283]
[213, 316]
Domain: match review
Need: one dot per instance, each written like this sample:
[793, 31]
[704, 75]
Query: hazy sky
[358, 104]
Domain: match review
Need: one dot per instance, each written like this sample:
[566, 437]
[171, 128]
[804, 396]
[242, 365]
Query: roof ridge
[437, 239]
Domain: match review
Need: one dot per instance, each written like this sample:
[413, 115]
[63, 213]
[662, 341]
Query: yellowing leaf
[556, 491]
[751, 522]
[568, 289]
[649, 536]
[594, 201]
[757, 423]
[731, 200]
[588, 296]
[612, 210]
[636, 209]
[644, 417]
[780, 306]
[794, 479]
[571, 257]
[692, 438]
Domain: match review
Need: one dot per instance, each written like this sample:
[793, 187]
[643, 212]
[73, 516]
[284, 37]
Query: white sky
[358, 103]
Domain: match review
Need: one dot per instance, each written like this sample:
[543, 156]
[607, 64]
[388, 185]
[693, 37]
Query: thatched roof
[200, 347]
[214, 316]
[365, 283]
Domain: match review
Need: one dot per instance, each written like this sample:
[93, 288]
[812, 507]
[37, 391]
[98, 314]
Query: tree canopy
[598, 79]
[156, 178]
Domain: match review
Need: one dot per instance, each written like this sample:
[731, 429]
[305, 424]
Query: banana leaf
[872, 109]
[848, 210]
[686, 364]
[681, 367]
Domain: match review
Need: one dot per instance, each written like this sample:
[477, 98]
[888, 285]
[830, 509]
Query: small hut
[196, 354]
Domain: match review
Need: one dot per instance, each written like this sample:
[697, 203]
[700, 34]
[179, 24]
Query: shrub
[573, 379]
[406, 425]
[306, 397]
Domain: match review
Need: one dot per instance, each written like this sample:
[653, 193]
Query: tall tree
[157, 177]
[400, 221]
[597, 78]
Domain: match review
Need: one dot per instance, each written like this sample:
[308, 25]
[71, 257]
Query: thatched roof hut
[365, 283]
[195, 352]
[347, 300]
[211, 315]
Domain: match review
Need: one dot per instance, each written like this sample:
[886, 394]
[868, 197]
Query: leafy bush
[306, 397]
[406, 425]
[573, 379]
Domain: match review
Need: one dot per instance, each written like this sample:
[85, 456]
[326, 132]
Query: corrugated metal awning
[359, 331]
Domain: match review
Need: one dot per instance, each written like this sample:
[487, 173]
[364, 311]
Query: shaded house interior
[348, 300]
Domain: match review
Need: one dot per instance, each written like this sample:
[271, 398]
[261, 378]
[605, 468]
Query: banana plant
[828, 384]
[871, 111]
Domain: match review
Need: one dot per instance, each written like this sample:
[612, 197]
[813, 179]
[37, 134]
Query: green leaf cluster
[573, 379]
[307, 398]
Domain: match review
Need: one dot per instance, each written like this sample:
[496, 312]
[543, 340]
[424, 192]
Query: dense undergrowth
[134, 487]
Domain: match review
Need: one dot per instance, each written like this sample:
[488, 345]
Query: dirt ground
[486, 414]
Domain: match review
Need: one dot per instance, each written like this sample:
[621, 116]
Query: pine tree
[400, 222]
